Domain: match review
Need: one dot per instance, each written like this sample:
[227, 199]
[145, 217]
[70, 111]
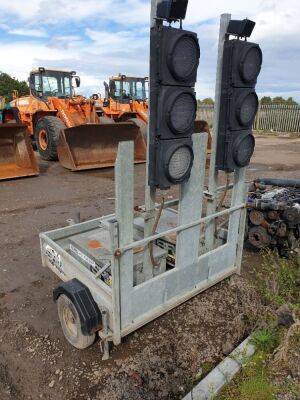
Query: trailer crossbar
[147, 240]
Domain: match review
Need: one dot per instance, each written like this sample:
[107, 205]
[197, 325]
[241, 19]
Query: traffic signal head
[246, 59]
[174, 161]
[242, 62]
[177, 109]
[178, 56]
[174, 60]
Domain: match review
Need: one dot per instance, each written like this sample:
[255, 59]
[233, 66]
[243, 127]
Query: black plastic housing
[172, 9]
[239, 76]
[163, 149]
[168, 96]
[235, 154]
[165, 40]
[174, 60]
[236, 100]
[80, 295]
[242, 28]
[235, 53]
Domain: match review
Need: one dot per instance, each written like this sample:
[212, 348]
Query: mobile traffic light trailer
[116, 269]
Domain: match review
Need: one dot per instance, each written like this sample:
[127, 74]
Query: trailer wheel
[46, 134]
[70, 323]
[142, 125]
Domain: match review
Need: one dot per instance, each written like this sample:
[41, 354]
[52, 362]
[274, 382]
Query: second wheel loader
[126, 99]
[67, 127]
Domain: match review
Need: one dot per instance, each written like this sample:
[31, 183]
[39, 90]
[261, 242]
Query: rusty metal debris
[274, 214]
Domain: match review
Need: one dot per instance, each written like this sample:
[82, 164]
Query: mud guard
[80, 295]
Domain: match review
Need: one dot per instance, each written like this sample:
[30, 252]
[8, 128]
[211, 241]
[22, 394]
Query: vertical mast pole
[213, 174]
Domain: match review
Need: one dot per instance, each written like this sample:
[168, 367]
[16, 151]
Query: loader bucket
[92, 146]
[202, 126]
[17, 157]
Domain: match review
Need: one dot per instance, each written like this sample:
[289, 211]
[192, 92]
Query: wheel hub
[43, 139]
[69, 320]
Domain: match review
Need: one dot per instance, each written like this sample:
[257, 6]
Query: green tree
[8, 84]
[207, 101]
[266, 100]
[278, 100]
[290, 100]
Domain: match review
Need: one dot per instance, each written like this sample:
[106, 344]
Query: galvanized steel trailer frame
[198, 266]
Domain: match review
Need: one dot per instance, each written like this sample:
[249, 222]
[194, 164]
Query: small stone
[285, 317]
[227, 348]
[57, 371]
[52, 383]
[294, 372]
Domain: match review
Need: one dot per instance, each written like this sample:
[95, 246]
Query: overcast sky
[99, 38]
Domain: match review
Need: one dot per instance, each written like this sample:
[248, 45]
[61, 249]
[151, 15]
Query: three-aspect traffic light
[174, 60]
[242, 62]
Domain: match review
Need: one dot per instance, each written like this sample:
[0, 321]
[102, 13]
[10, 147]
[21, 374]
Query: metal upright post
[150, 192]
[213, 174]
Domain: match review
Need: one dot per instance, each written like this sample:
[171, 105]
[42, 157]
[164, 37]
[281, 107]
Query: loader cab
[51, 83]
[125, 89]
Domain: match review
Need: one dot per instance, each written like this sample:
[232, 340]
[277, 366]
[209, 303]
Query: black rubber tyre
[46, 134]
[142, 125]
[70, 323]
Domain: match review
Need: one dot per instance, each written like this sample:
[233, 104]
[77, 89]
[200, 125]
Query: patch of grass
[288, 388]
[264, 340]
[206, 368]
[252, 383]
[277, 278]
[256, 388]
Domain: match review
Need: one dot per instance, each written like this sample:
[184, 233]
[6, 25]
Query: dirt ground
[157, 361]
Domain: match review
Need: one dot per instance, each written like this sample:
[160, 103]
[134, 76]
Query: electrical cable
[154, 264]
[225, 192]
[217, 227]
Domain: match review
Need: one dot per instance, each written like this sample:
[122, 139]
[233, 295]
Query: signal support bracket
[209, 196]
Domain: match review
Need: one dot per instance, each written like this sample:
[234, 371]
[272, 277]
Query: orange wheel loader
[126, 99]
[65, 126]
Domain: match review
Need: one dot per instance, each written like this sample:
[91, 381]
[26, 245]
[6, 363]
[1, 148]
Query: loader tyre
[71, 325]
[142, 125]
[46, 135]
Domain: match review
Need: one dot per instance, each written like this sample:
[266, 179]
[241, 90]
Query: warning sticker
[54, 258]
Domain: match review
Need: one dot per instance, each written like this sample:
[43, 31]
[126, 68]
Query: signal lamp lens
[182, 113]
[247, 109]
[184, 57]
[243, 149]
[251, 64]
[180, 163]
